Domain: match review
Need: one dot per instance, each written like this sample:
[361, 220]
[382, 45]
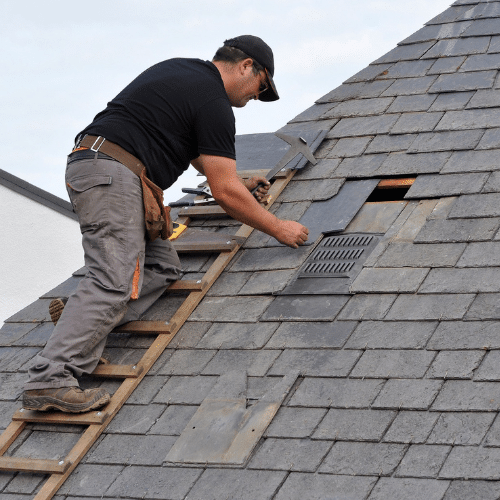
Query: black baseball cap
[257, 49]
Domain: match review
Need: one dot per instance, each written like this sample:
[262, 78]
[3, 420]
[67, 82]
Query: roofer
[175, 113]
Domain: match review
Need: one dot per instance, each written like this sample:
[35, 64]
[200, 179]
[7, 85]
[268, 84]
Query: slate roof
[399, 390]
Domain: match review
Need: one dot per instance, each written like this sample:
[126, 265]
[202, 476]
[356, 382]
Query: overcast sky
[62, 61]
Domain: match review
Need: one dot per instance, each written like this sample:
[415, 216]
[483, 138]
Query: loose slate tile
[267, 259]
[466, 490]
[407, 394]
[12, 332]
[187, 362]
[370, 125]
[485, 306]
[237, 336]
[365, 459]
[483, 27]
[455, 364]
[424, 255]
[216, 484]
[416, 489]
[311, 335]
[305, 308]
[446, 141]
[429, 307]
[135, 419]
[458, 47]
[472, 462]
[390, 143]
[461, 428]
[310, 190]
[367, 307]
[423, 461]
[356, 90]
[230, 309]
[411, 427]
[405, 53]
[354, 425]
[451, 101]
[461, 82]
[462, 395]
[391, 335]
[320, 487]
[473, 161]
[480, 255]
[489, 369]
[300, 455]
[173, 420]
[361, 107]
[295, 422]
[350, 146]
[387, 280]
[315, 363]
[407, 103]
[446, 65]
[490, 139]
[457, 335]
[469, 280]
[337, 393]
[393, 364]
[186, 390]
[433, 186]
[408, 164]
[256, 363]
[409, 86]
[86, 480]
[416, 122]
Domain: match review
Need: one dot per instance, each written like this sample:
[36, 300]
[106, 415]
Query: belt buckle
[95, 142]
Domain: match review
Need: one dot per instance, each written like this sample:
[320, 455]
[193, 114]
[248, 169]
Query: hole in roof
[393, 189]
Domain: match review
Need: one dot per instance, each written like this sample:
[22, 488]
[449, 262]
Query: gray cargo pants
[107, 197]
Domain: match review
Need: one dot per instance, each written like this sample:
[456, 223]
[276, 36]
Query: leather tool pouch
[157, 216]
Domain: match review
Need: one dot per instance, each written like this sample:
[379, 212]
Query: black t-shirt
[169, 115]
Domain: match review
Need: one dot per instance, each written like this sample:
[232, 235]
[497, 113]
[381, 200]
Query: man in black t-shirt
[176, 113]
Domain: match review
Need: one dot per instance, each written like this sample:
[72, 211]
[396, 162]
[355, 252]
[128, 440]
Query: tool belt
[156, 214]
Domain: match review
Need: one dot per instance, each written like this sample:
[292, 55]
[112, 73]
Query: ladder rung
[117, 371]
[146, 327]
[189, 285]
[34, 465]
[56, 417]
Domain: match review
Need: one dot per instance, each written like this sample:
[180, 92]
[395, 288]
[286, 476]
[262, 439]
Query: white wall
[39, 249]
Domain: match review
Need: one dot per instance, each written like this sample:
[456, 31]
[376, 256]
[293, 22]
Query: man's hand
[291, 233]
[253, 182]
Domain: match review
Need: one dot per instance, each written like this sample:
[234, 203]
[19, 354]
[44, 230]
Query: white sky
[62, 61]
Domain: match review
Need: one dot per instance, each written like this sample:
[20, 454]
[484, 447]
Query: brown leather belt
[102, 145]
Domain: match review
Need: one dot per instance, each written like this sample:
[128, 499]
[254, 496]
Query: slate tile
[264, 259]
[311, 335]
[430, 307]
[370, 73]
[411, 427]
[445, 141]
[458, 335]
[189, 335]
[310, 190]
[455, 364]
[482, 10]
[461, 428]
[187, 362]
[228, 284]
[468, 280]
[364, 166]
[354, 425]
[86, 480]
[359, 107]
[315, 362]
[38, 311]
[11, 385]
[494, 45]
[408, 69]
[480, 255]
[407, 394]
[493, 436]
[483, 27]
[477, 490]
[11, 333]
[485, 99]
[472, 462]
[267, 282]
[186, 390]
[349, 146]
[391, 335]
[423, 461]
[465, 395]
[485, 306]
[359, 126]
[237, 336]
[451, 101]
[493, 183]
[231, 309]
[409, 86]
[408, 103]
[405, 53]
[337, 393]
[489, 369]
[433, 186]
[323, 149]
[367, 307]
[416, 122]
[446, 65]
[490, 140]
[450, 14]
[387, 280]
[14, 359]
[305, 308]
[364, 459]
[291, 211]
[302, 127]
[473, 161]
[390, 143]
[393, 364]
[300, 455]
[313, 113]
[173, 420]
[469, 119]
[408, 164]
[256, 363]
[135, 419]
[154, 482]
[461, 82]
[324, 169]
[6, 412]
[134, 450]
[458, 47]
[5, 477]
[355, 90]
[320, 487]
[416, 489]
[406, 254]
[216, 484]
[147, 390]
[46, 445]
[295, 422]
[23, 483]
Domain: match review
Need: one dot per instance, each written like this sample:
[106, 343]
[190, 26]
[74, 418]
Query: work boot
[67, 399]
[56, 307]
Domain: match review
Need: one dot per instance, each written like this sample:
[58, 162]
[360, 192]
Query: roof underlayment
[398, 390]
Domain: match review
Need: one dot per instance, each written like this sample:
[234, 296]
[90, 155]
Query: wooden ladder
[96, 421]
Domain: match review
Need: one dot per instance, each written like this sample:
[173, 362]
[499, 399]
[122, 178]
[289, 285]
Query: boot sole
[55, 310]
[45, 403]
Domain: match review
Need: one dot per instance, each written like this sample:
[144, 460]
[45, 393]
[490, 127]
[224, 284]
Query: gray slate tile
[450, 14]
[480, 255]
[187, 362]
[483, 27]
[458, 47]
[349, 146]
[472, 462]
[462, 82]
[367, 307]
[315, 112]
[468, 280]
[390, 143]
[299, 455]
[490, 139]
[465, 395]
[494, 45]
[485, 306]
[457, 230]
[469, 119]
[310, 190]
[407, 103]
[455, 364]
[434, 186]
[473, 161]
[451, 101]
[370, 73]
[476, 205]
[446, 141]
[267, 259]
[461, 428]
[228, 284]
[186, 390]
[365, 459]
[86, 480]
[477, 490]
[189, 335]
[402, 488]
[256, 363]
[407, 69]
[493, 436]
[359, 107]
[446, 65]
[356, 90]
[147, 390]
[311, 335]
[135, 419]
[237, 336]
[416, 122]
[364, 166]
[387, 280]
[489, 369]
[405, 53]
[437, 32]
[409, 86]
[11, 385]
[266, 282]
[337, 393]
[173, 420]
[11, 333]
[411, 427]
[315, 362]
[324, 169]
[423, 461]
[23, 483]
[407, 394]
[411, 164]
[370, 125]
[38, 311]
[482, 11]
[295, 422]
[457, 335]
[485, 99]
[231, 309]
[354, 425]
